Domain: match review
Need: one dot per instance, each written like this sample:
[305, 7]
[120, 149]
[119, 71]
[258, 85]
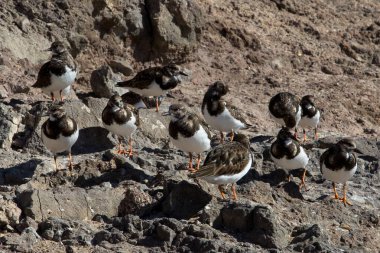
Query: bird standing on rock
[338, 164]
[287, 153]
[285, 109]
[187, 132]
[59, 132]
[57, 75]
[310, 116]
[118, 118]
[216, 113]
[155, 81]
[227, 163]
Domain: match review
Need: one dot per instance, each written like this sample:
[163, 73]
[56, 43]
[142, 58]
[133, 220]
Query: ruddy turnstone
[118, 118]
[155, 81]
[310, 116]
[57, 75]
[285, 109]
[338, 164]
[287, 153]
[227, 163]
[140, 102]
[187, 133]
[59, 132]
[216, 113]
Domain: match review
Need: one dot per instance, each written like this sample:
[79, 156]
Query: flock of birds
[227, 162]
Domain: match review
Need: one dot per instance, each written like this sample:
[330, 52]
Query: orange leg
[56, 164]
[289, 178]
[221, 191]
[336, 196]
[302, 184]
[221, 137]
[70, 161]
[296, 133]
[157, 106]
[232, 135]
[120, 150]
[52, 96]
[344, 199]
[198, 161]
[60, 95]
[304, 135]
[190, 168]
[234, 195]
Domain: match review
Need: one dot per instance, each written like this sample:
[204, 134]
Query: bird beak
[49, 49]
[356, 150]
[165, 114]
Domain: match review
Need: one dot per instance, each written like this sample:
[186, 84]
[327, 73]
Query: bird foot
[302, 185]
[345, 201]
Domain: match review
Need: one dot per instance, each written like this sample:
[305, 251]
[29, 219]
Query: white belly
[223, 122]
[339, 176]
[298, 162]
[306, 122]
[282, 122]
[61, 82]
[124, 130]
[65, 92]
[229, 179]
[152, 90]
[63, 143]
[198, 143]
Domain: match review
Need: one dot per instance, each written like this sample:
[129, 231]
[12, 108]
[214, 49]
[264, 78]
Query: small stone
[120, 66]
[165, 233]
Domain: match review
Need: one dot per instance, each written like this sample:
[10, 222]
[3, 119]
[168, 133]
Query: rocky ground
[109, 203]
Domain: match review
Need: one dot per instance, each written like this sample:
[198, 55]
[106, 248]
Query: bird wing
[225, 159]
[142, 79]
[43, 78]
[236, 113]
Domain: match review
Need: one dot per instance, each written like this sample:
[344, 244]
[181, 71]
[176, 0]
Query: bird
[59, 132]
[218, 114]
[310, 116]
[140, 102]
[287, 153]
[154, 81]
[338, 164]
[57, 75]
[188, 133]
[285, 109]
[227, 163]
[119, 119]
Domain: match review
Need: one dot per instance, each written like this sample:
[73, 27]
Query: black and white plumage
[227, 163]
[188, 133]
[57, 75]
[338, 164]
[217, 113]
[287, 153]
[310, 116]
[59, 132]
[119, 119]
[140, 102]
[285, 109]
[155, 81]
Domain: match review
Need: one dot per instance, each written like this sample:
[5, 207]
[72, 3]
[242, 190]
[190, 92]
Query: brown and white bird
[119, 119]
[140, 102]
[188, 133]
[57, 75]
[285, 109]
[155, 81]
[287, 153]
[338, 164]
[310, 116]
[59, 132]
[218, 114]
[227, 163]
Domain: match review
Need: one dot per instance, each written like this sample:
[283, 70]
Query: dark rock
[25, 223]
[175, 205]
[306, 232]
[267, 231]
[9, 213]
[21, 243]
[136, 201]
[78, 43]
[331, 69]
[176, 27]
[21, 173]
[165, 233]
[120, 66]
[103, 82]
[238, 217]
[66, 231]
[112, 235]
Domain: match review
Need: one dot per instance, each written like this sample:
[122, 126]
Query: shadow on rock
[21, 173]
[91, 140]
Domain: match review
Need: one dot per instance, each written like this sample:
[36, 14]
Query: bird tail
[123, 84]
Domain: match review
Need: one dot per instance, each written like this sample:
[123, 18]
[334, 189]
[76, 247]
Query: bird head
[56, 111]
[176, 111]
[116, 102]
[57, 48]
[217, 90]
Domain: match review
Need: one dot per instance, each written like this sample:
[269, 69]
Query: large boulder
[9, 122]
